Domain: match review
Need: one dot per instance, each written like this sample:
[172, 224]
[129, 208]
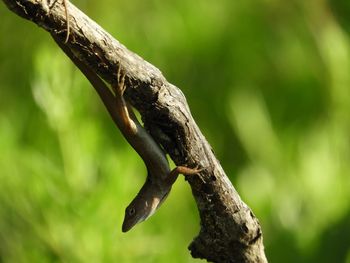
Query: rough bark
[229, 230]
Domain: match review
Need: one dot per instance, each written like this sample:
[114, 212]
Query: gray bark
[229, 230]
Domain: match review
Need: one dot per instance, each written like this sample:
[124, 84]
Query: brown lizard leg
[67, 20]
[123, 109]
[173, 175]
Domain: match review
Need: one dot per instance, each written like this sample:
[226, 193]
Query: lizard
[160, 177]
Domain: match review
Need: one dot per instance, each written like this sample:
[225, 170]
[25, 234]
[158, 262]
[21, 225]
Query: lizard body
[160, 177]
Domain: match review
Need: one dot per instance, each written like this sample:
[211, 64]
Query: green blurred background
[267, 81]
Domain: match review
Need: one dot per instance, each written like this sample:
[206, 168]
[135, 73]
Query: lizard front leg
[174, 174]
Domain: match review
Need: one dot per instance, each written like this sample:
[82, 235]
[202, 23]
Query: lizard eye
[132, 211]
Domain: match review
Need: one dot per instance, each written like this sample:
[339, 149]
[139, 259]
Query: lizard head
[139, 210]
[142, 207]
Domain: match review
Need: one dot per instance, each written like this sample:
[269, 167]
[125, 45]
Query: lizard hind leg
[65, 3]
[128, 120]
[119, 87]
[66, 13]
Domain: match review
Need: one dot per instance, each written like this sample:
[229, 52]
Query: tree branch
[229, 230]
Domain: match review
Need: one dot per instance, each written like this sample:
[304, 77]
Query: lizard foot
[189, 171]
